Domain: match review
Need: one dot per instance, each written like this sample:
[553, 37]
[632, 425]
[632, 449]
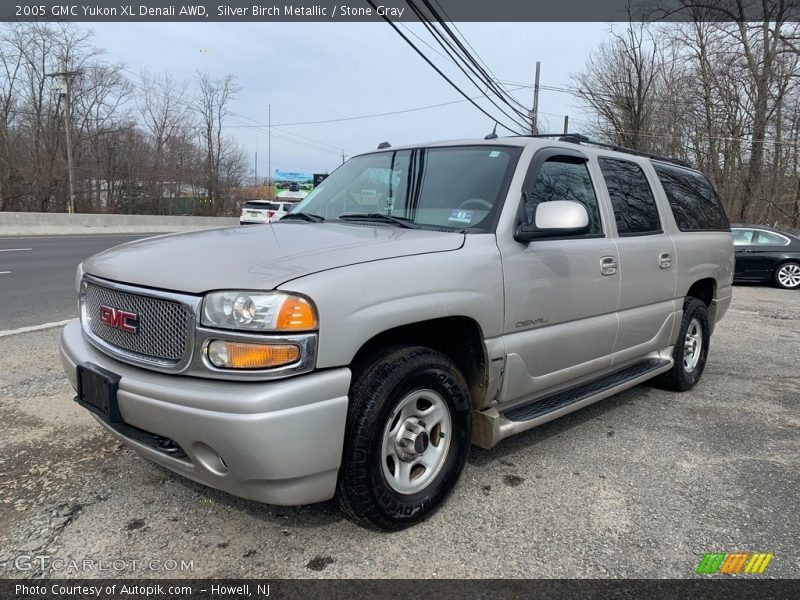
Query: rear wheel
[787, 276]
[408, 435]
[691, 348]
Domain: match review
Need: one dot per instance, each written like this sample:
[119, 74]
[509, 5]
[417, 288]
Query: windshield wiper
[311, 218]
[399, 221]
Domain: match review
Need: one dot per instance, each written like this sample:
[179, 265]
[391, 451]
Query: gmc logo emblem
[119, 319]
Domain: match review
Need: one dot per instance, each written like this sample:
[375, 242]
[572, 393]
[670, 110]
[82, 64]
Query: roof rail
[576, 138]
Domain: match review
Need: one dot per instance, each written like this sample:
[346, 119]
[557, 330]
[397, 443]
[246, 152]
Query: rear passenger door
[646, 260]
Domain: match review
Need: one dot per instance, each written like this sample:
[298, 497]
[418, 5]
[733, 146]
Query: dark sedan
[768, 255]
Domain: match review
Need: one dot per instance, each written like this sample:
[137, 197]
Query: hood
[258, 256]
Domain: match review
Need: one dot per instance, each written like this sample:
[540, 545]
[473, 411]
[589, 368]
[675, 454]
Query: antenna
[493, 135]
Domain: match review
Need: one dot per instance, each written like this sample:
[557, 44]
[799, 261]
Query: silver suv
[420, 299]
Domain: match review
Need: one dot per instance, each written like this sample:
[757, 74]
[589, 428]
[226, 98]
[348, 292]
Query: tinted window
[635, 207]
[742, 237]
[765, 238]
[565, 179]
[692, 199]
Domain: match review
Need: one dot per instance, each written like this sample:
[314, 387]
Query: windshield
[442, 188]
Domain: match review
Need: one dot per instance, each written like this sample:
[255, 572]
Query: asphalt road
[37, 276]
[639, 485]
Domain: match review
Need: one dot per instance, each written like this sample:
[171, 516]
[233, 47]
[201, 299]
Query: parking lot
[640, 485]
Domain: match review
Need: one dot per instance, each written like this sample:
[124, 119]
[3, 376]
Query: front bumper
[279, 442]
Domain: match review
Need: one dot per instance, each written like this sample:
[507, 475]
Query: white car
[263, 211]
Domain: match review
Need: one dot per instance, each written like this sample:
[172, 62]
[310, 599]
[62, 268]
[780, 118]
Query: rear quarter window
[692, 198]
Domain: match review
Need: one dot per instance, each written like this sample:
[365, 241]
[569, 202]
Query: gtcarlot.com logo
[731, 563]
[46, 563]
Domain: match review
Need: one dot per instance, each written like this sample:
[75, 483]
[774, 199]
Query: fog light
[242, 355]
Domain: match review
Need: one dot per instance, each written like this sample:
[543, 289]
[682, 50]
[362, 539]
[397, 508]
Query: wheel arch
[458, 337]
[705, 290]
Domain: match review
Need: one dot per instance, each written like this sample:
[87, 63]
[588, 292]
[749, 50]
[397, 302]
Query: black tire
[378, 388]
[679, 378]
[790, 264]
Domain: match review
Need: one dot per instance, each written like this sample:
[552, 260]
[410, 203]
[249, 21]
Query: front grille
[164, 325]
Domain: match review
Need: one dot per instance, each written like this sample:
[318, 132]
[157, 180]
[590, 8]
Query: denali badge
[120, 319]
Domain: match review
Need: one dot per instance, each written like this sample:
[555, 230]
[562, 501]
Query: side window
[742, 237]
[766, 238]
[635, 209]
[692, 199]
[565, 179]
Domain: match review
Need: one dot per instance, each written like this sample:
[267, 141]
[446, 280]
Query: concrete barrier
[26, 223]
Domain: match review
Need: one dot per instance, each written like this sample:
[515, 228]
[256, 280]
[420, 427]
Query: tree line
[141, 143]
[720, 92]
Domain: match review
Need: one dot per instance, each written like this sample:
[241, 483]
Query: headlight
[269, 311]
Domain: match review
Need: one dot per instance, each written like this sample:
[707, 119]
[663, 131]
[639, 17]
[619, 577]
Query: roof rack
[577, 138]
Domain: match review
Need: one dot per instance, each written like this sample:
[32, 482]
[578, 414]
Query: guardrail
[28, 223]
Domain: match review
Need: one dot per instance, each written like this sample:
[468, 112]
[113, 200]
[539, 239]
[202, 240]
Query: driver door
[561, 294]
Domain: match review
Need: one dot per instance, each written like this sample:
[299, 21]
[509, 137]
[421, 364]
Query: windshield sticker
[494, 154]
[461, 216]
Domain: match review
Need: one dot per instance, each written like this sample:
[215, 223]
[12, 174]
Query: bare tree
[212, 106]
[618, 83]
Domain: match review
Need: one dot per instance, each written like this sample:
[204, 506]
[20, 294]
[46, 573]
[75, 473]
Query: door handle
[608, 265]
[664, 260]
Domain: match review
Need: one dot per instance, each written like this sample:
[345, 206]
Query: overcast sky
[319, 71]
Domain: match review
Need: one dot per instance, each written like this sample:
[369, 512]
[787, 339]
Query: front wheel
[787, 276]
[407, 439]
[691, 348]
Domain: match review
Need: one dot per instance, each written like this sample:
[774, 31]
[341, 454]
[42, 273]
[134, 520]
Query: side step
[492, 426]
[582, 392]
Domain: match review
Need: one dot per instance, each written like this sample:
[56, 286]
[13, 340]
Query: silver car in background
[264, 211]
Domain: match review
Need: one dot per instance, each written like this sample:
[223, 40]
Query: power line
[369, 116]
[462, 55]
[291, 133]
[493, 78]
[484, 74]
[437, 69]
[284, 138]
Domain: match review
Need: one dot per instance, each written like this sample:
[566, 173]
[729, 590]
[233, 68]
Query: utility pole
[270, 179]
[256, 176]
[68, 75]
[534, 114]
[566, 124]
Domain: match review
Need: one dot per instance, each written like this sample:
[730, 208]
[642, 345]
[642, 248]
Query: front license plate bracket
[97, 391]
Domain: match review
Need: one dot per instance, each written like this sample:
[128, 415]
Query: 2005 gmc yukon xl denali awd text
[420, 299]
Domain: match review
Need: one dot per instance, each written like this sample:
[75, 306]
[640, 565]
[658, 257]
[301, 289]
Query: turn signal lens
[296, 314]
[242, 355]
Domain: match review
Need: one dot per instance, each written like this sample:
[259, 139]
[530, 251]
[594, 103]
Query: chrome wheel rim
[692, 346]
[789, 275]
[416, 440]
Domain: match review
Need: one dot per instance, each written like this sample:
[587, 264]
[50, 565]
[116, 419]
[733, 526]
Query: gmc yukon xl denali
[421, 299]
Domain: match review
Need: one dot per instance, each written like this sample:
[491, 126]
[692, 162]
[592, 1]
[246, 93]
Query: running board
[492, 426]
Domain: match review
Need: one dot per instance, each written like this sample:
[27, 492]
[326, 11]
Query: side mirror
[554, 219]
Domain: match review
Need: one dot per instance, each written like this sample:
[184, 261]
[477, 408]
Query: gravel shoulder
[639, 485]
